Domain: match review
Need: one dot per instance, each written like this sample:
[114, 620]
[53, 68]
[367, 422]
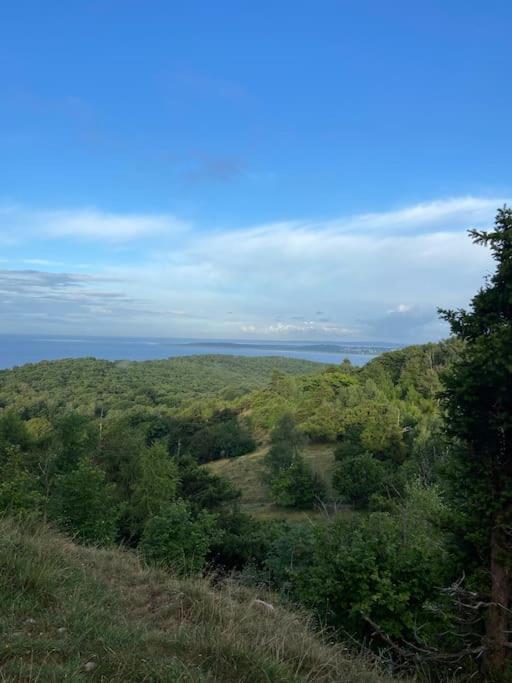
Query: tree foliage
[178, 539]
[478, 400]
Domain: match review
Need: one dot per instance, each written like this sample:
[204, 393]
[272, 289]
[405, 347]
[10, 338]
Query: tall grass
[70, 613]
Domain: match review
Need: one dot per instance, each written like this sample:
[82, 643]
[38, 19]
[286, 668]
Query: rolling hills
[87, 384]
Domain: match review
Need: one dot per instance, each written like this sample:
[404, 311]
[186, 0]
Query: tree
[359, 477]
[244, 540]
[286, 442]
[372, 570]
[20, 492]
[292, 483]
[155, 486]
[85, 504]
[478, 400]
[203, 489]
[297, 486]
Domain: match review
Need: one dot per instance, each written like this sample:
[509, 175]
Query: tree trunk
[498, 657]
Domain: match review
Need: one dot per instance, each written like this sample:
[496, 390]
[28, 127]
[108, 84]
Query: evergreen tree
[155, 486]
[478, 400]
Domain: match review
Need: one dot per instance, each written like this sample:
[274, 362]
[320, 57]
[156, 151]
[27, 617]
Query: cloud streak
[87, 224]
[373, 276]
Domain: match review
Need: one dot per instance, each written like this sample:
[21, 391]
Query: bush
[243, 541]
[20, 492]
[358, 478]
[85, 505]
[178, 540]
[297, 486]
[201, 488]
[226, 439]
[380, 568]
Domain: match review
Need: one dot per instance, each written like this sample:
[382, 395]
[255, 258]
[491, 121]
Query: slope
[70, 613]
[244, 473]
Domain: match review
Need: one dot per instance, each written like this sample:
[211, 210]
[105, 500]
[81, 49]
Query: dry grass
[245, 473]
[65, 609]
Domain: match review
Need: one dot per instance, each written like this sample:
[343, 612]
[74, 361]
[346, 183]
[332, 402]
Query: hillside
[244, 473]
[156, 464]
[71, 613]
[88, 384]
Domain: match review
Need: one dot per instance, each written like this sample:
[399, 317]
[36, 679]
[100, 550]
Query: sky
[270, 170]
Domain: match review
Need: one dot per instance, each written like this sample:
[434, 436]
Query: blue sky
[230, 169]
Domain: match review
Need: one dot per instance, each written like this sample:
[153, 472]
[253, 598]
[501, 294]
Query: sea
[20, 349]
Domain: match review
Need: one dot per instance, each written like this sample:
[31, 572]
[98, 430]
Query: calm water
[17, 350]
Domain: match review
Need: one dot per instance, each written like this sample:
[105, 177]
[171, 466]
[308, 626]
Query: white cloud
[303, 329]
[378, 275]
[401, 308]
[280, 272]
[85, 224]
[96, 225]
[445, 214]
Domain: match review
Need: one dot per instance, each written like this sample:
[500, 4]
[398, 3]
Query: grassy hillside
[70, 613]
[245, 473]
[86, 384]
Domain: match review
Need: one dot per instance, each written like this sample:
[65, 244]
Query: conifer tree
[478, 400]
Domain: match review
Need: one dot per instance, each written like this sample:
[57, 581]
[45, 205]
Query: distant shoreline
[16, 350]
[369, 349]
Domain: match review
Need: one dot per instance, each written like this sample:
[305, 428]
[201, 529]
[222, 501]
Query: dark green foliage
[291, 482]
[201, 488]
[349, 443]
[225, 438]
[20, 491]
[297, 486]
[286, 442]
[76, 437]
[289, 556]
[359, 477]
[478, 400]
[13, 432]
[381, 568]
[179, 540]
[243, 540]
[373, 427]
[154, 487]
[85, 505]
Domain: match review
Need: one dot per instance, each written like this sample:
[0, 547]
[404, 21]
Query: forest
[404, 546]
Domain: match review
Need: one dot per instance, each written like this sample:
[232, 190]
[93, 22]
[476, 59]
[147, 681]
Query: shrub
[297, 486]
[178, 540]
[381, 569]
[84, 504]
[357, 478]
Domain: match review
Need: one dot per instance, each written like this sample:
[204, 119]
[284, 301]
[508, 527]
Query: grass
[244, 473]
[70, 613]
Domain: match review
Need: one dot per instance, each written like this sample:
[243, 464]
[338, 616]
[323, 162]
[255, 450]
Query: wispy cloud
[85, 224]
[444, 214]
[373, 276]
